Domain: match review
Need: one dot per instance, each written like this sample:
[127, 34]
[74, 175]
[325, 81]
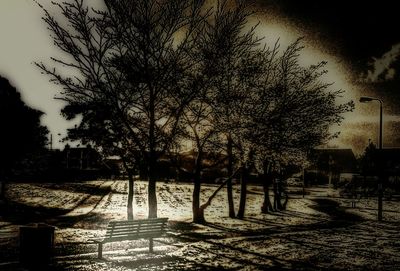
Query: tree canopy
[21, 131]
[150, 75]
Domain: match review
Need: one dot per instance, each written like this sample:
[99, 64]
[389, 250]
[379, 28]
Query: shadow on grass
[19, 213]
[338, 217]
[337, 213]
[182, 226]
[149, 262]
[233, 255]
[164, 263]
[79, 187]
[89, 221]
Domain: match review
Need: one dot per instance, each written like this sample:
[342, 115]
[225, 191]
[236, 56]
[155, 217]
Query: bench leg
[151, 245]
[100, 253]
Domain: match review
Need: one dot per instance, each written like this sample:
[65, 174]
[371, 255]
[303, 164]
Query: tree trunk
[130, 189]
[277, 194]
[198, 215]
[2, 189]
[130, 196]
[205, 205]
[267, 205]
[275, 190]
[152, 196]
[152, 179]
[243, 193]
[152, 159]
[229, 182]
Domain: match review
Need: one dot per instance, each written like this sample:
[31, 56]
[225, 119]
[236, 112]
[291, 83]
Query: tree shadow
[87, 221]
[338, 217]
[79, 187]
[375, 209]
[182, 226]
[235, 254]
[189, 233]
[337, 213]
[165, 263]
[20, 213]
[298, 214]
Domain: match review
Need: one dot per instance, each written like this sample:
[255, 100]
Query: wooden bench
[132, 230]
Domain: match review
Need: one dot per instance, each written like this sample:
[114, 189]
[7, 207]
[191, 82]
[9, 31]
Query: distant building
[328, 165]
[391, 161]
[84, 163]
[391, 168]
[81, 158]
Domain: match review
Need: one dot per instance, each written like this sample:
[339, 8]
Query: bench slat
[135, 229]
[130, 227]
[138, 221]
[129, 238]
[132, 230]
[135, 233]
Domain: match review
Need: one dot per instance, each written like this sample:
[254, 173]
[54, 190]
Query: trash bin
[36, 244]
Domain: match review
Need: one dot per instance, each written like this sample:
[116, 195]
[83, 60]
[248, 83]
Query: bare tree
[227, 46]
[250, 74]
[141, 72]
[200, 130]
[294, 111]
[132, 58]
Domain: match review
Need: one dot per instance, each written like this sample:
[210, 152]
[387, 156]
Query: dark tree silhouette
[132, 59]
[108, 136]
[225, 57]
[254, 88]
[369, 160]
[200, 130]
[145, 73]
[294, 111]
[21, 132]
[227, 49]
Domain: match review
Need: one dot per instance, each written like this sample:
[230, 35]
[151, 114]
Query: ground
[320, 231]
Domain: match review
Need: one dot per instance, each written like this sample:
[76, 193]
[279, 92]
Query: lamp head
[365, 99]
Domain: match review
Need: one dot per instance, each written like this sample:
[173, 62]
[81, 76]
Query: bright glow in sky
[338, 73]
[25, 39]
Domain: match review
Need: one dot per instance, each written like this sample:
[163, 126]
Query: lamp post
[365, 99]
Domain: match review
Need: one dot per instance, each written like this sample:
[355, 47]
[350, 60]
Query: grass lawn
[318, 232]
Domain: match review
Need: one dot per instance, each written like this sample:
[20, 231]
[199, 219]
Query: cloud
[356, 133]
[382, 68]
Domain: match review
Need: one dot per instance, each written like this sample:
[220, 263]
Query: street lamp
[365, 99]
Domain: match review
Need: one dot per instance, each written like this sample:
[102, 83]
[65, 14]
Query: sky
[362, 39]
[361, 43]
